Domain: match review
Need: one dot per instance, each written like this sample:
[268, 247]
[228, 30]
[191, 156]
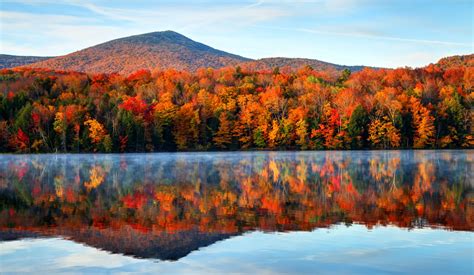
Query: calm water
[266, 212]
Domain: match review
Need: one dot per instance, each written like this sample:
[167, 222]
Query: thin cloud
[372, 36]
[50, 35]
[247, 13]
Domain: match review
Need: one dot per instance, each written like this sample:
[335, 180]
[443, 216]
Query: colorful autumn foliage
[233, 108]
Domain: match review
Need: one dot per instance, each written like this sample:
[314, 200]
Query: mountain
[296, 63]
[10, 61]
[168, 49]
[163, 50]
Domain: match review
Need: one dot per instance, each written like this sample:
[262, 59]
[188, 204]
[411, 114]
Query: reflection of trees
[234, 193]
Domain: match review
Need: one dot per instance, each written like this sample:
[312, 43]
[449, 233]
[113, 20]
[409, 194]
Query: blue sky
[352, 32]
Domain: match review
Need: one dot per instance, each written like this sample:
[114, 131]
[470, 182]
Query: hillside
[166, 50]
[9, 61]
[456, 60]
[296, 63]
[163, 50]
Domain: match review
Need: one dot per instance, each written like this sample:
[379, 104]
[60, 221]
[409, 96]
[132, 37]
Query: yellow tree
[423, 123]
[383, 134]
[223, 137]
[273, 135]
[97, 132]
[388, 103]
[186, 127]
[302, 133]
[60, 127]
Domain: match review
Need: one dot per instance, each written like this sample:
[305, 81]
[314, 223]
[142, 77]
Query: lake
[247, 212]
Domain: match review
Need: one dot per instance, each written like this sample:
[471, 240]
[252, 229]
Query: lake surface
[250, 212]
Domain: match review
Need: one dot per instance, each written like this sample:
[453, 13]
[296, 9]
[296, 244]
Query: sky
[382, 33]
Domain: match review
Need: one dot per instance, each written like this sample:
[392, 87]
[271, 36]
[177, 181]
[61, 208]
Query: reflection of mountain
[166, 205]
[165, 246]
[128, 241]
[14, 234]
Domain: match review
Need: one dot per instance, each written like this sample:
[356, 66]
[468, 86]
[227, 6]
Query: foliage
[236, 108]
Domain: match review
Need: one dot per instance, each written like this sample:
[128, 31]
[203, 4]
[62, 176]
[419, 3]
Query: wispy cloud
[371, 35]
[185, 12]
[37, 34]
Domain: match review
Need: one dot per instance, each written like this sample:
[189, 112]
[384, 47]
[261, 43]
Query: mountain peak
[161, 49]
[156, 37]
[164, 50]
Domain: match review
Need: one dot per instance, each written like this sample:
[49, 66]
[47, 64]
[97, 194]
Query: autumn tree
[98, 135]
[223, 137]
[186, 131]
[423, 123]
[383, 134]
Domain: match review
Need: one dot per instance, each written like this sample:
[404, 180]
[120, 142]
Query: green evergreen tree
[357, 127]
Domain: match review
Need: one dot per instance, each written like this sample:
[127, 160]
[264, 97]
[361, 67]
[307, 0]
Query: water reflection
[166, 205]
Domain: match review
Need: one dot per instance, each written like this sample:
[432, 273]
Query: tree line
[236, 109]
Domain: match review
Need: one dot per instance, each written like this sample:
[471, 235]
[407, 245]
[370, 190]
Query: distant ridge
[9, 61]
[296, 63]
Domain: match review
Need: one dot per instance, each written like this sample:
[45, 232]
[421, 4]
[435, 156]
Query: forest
[236, 108]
